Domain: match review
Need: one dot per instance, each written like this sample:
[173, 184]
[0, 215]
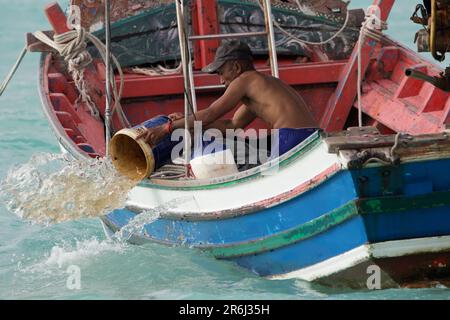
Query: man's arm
[227, 102]
[242, 118]
[234, 93]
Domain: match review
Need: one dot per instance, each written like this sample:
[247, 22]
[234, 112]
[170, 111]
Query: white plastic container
[214, 165]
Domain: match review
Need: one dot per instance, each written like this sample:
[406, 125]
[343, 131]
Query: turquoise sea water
[34, 259]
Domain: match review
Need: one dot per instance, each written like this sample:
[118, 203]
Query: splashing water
[65, 254]
[137, 224]
[51, 189]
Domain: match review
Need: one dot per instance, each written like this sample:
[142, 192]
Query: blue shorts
[289, 138]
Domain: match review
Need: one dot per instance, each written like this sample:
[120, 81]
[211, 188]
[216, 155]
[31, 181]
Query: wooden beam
[56, 18]
[35, 45]
[294, 75]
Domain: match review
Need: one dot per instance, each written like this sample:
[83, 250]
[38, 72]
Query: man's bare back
[276, 103]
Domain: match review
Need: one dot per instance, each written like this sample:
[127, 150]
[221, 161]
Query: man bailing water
[261, 96]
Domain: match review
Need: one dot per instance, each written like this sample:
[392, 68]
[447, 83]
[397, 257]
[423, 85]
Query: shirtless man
[261, 96]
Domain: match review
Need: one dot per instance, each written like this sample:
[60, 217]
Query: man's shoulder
[250, 77]
[250, 74]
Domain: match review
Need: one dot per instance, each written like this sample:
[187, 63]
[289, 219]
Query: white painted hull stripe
[388, 249]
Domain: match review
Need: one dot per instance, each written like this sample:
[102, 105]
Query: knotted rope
[72, 47]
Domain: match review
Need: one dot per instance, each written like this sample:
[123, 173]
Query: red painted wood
[384, 65]
[400, 103]
[435, 99]
[139, 110]
[391, 102]
[96, 88]
[74, 117]
[56, 17]
[385, 7]
[341, 102]
[58, 83]
[205, 21]
[94, 84]
[445, 118]
[299, 74]
[410, 87]
[381, 105]
[60, 102]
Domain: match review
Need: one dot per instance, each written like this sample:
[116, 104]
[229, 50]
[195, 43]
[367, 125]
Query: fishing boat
[368, 195]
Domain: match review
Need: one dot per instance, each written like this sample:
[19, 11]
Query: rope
[156, 71]
[397, 141]
[13, 71]
[72, 47]
[169, 172]
[371, 28]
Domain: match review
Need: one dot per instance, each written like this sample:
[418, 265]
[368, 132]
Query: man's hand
[176, 116]
[153, 136]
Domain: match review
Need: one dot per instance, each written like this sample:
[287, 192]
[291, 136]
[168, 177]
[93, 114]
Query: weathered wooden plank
[35, 45]
[337, 143]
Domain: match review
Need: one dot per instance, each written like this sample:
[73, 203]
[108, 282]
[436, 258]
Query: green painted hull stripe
[401, 204]
[351, 209]
[303, 232]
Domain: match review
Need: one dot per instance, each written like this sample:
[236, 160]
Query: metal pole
[192, 85]
[271, 38]
[212, 87]
[185, 67]
[108, 74]
[190, 69]
[13, 71]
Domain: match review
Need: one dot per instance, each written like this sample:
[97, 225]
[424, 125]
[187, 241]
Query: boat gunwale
[47, 106]
[249, 208]
[300, 150]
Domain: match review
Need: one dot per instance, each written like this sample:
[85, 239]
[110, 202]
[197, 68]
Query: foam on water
[51, 188]
[65, 254]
